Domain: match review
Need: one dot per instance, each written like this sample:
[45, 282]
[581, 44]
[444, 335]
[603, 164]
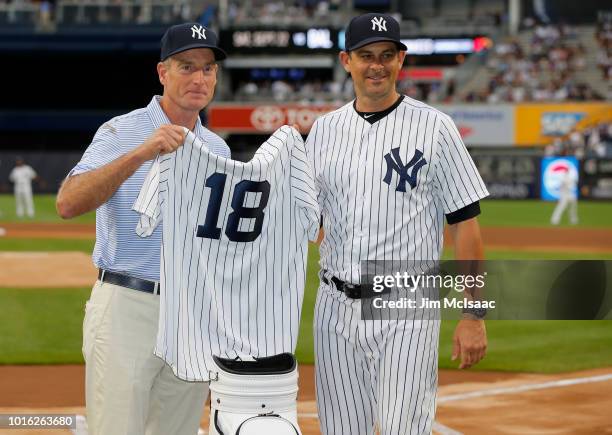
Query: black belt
[353, 291]
[134, 283]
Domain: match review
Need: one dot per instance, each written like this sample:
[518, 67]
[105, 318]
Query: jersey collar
[159, 117]
[372, 117]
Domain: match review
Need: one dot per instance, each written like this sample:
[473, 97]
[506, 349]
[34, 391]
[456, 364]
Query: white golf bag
[254, 396]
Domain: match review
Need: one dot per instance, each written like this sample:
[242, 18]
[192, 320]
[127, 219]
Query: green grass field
[42, 326]
[530, 213]
[533, 213]
[44, 206]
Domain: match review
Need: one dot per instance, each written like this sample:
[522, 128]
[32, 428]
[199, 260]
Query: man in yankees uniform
[388, 170]
[129, 390]
[233, 257]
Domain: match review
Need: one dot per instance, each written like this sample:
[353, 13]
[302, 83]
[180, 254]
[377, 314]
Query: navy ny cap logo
[379, 23]
[198, 31]
[369, 28]
[187, 36]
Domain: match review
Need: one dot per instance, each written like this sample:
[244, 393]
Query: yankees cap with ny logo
[186, 36]
[369, 28]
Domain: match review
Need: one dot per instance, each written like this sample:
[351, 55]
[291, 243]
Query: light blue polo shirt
[118, 248]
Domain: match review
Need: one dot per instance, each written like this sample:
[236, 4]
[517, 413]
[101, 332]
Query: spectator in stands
[45, 12]
[250, 89]
[603, 36]
[281, 90]
[284, 13]
[545, 72]
[541, 92]
[591, 142]
[604, 61]
[578, 58]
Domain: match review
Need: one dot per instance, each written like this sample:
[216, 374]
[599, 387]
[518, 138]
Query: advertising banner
[482, 124]
[596, 179]
[553, 171]
[479, 125]
[509, 176]
[539, 124]
[237, 118]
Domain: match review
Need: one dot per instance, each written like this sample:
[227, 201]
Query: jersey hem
[176, 372]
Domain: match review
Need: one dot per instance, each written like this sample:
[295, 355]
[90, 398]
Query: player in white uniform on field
[234, 250]
[388, 170]
[22, 176]
[568, 197]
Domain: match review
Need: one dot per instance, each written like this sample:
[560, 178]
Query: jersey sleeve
[104, 148]
[312, 146]
[458, 182]
[148, 202]
[303, 186]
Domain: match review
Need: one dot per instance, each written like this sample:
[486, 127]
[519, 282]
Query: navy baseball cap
[186, 36]
[368, 28]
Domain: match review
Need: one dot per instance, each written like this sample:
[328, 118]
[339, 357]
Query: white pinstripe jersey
[385, 187]
[234, 250]
[117, 247]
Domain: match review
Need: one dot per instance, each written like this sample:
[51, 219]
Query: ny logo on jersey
[198, 31]
[379, 23]
[394, 163]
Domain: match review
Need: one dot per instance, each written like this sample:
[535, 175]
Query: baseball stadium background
[525, 81]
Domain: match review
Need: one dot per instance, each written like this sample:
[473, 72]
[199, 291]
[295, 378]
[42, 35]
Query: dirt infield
[49, 230]
[468, 402]
[46, 269]
[547, 239]
[569, 403]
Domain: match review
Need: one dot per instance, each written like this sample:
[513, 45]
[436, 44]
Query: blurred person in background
[567, 198]
[22, 176]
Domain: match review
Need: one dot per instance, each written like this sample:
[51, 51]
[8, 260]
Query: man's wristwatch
[474, 313]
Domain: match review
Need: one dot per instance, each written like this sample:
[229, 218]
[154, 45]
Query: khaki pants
[129, 390]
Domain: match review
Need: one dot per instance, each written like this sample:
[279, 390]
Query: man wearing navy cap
[129, 391]
[388, 170]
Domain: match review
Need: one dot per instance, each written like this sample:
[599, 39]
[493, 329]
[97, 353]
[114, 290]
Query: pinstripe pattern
[117, 247]
[221, 296]
[381, 372]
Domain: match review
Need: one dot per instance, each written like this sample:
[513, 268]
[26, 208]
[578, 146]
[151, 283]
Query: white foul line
[439, 427]
[522, 388]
